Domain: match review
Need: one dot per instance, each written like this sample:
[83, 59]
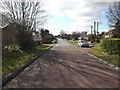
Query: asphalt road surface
[65, 66]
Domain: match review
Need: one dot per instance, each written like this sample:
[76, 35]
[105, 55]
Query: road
[66, 66]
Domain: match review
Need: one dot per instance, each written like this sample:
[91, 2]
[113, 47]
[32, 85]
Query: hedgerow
[111, 46]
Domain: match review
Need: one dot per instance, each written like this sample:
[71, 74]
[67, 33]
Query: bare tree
[76, 35]
[26, 15]
[24, 12]
[113, 16]
[62, 32]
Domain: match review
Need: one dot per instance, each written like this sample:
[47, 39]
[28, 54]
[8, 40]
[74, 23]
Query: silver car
[83, 43]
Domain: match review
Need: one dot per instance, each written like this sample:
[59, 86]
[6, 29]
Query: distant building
[84, 37]
[37, 37]
[108, 34]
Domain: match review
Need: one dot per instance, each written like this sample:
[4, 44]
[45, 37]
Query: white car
[83, 43]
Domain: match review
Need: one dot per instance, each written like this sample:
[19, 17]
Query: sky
[76, 15]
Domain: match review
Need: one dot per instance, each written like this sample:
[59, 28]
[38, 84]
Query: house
[108, 34]
[84, 37]
[37, 37]
[9, 34]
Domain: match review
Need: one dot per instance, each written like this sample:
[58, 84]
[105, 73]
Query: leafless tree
[26, 15]
[62, 32]
[113, 16]
[76, 35]
[24, 12]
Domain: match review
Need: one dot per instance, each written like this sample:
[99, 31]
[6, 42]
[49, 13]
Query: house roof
[110, 32]
[84, 35]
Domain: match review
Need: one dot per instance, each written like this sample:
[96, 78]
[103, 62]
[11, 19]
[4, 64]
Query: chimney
[97, 28]
[94, 28]
[91, 30]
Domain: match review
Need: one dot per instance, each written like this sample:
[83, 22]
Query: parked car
[83, 43]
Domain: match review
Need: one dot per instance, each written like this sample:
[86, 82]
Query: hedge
[111, 46]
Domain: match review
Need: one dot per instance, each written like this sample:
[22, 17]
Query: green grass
[96, 44]
[72, 42]
[13, 59]
[109, 58]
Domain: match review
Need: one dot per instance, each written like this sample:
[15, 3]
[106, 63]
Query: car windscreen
[83, 41]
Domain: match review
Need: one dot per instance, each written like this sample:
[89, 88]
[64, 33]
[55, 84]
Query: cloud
[73, 0]
[53, 28]
[82, 12]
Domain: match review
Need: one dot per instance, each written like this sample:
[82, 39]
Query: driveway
[65, 66]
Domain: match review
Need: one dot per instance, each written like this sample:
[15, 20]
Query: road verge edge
[105, 62]
[17, 71]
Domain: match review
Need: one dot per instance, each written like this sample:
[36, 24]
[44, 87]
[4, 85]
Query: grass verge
[14, 59]
[72, 42]
[95, 44]
[109, 58]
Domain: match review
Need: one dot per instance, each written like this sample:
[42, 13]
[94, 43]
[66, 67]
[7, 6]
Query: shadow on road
[66, 68]
[88, 71]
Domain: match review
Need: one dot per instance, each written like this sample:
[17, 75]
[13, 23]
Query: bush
[97, 40]
[111, 46]
[91, 38]
[25, 39]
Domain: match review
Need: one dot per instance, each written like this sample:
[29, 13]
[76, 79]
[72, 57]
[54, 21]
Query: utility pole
[91, 30]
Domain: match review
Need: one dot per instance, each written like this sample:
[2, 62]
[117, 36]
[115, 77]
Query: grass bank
[72, 42]
[14, 59]
[109, 58]
[95, 44]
